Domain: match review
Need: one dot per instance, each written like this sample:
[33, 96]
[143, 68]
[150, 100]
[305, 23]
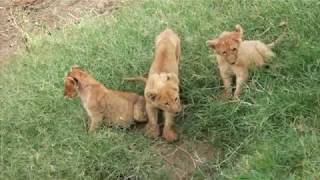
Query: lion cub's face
[69, 87]
[71, 81]
[227, 44]
[166, 97]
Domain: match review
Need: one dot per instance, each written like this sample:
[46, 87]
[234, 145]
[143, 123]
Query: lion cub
[236, 57]
[162, 85]
[114, 107]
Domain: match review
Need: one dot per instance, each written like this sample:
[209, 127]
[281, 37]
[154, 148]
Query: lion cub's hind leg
[139, 110]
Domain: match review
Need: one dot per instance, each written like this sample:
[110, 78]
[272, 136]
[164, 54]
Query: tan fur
[162, 86]
[236, 57]
[103, 104]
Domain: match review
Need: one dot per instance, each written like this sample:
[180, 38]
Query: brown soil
[184, 157]
[19, 18]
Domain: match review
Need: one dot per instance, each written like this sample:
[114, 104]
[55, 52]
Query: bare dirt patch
[183, 158]
[19, 18]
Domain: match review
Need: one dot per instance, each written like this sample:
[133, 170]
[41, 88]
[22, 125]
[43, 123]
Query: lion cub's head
[227, 44]
[162, 91]
[72, 82]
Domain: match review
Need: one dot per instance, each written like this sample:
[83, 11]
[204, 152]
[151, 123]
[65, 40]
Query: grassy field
[272, 133]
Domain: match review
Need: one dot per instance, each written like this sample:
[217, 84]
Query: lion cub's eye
[234, 49]
[167, 104]
[224, 52]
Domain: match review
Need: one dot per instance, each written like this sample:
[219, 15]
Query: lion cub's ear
[74, 80]
[151, 95]
[212, 43]
[172, 77]
[169, 76]
[239, 31]
[75, 66]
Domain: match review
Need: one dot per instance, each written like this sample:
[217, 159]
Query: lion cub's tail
[279, 39]
[264, 50]
[136, 78]
[284, 26]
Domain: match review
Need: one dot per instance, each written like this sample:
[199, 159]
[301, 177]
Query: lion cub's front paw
[169, 135]
[152, 130]
[225, 95]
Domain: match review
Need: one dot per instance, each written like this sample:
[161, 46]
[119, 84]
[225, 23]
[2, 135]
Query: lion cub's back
[129, 105]
[254, 52]
[118, 110]
[168, 34]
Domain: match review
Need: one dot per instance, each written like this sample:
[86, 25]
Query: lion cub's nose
[177, 110]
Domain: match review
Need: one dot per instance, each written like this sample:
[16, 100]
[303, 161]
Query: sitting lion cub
[114, 107]
[236, 57]
[162, 85]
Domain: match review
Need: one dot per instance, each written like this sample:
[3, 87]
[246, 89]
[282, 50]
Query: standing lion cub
[103, 104]
[162, 85]
[236, 57]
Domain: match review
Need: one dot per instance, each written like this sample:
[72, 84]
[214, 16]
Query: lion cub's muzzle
[176, 109]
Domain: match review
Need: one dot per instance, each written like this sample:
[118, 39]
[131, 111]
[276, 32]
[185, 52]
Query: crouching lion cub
[103, 104]
[162, 85]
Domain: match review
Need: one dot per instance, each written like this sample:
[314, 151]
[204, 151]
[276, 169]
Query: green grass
[272, 133]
